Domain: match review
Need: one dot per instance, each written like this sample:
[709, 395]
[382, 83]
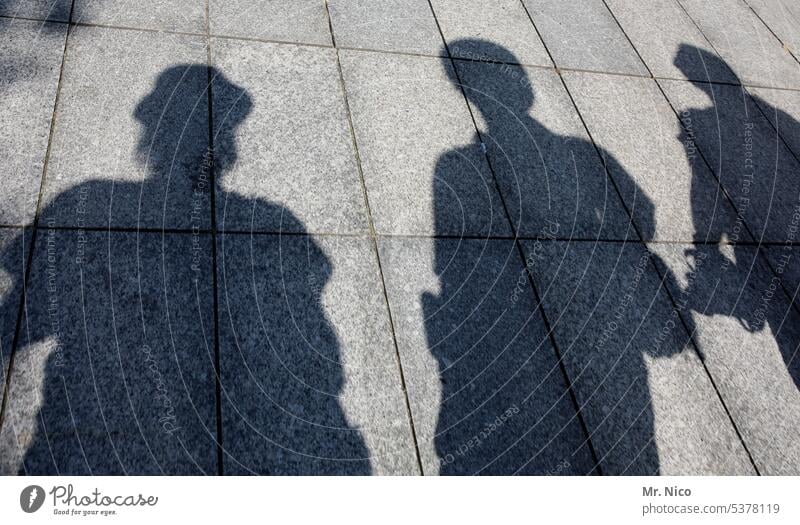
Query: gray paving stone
[424, 168]
[14, 249]
[552, 179]
[310, 383]
[301, 21]
[171, 15]
[753, 165]
[782, 108]
[749, 336]
[584, 35]
[671, 192]
[282, 136]
[658, 29]
[502, 22]
[389, 25]
[783, 18]
[648, 403]
[785, 261]
[484, 384]
[56, 10]
[115, 369]
[30, 62]
[130, 147]
[740, 38]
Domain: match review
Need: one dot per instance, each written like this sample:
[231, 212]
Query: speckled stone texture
[648, 403]
[130, 146]
[584, 35]
[501, 22]
[265, 152]
[301, 21]
[309, 377]
[484, 383]
[670, 191]
[30, 63]
[424, 168]
[389, 25]
[114, 372]
[188, 16]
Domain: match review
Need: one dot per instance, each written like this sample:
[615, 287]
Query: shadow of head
[175, 112]
[491, 75]
[698, 64]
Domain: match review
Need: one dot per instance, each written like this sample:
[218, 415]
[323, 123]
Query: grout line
[373, 237]
[662, 276]
[520, 252]
[785, 45]
[22, 311]
[214, 284]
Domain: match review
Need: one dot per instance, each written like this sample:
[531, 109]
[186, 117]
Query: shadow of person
[555, 187]
[114, 370]
[760, 175]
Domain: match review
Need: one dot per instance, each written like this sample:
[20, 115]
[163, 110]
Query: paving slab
[649, 405]
[783, 18]
[15, 245]
[188, 16]
[114, 373]
[300, 21]
[55, 10]
[741, 39]
[782, 108]
[130, 146]
[745, 152]
[502, 22]
[749, 336]
[390, 25]
[659, 30]
[310, 381]
[30, 63]
[483, 380]
[282, 137]
[584, 35]
[425, 170]
[550, 174]
[671, 192]
[785, 261]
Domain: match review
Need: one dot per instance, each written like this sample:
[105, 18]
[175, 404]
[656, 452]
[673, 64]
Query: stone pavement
[400, 237]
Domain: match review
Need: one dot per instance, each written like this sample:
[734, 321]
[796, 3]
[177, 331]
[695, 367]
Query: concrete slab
[783, 18]
[584, 35]
[55, 10]
[658, 30]
[550, 174]
[654, 161]
[649, 405]
[742, 40]
[14, 249]
[309, 376]
[485, 387]
[30, 64]
[130, 148]
[743, 149]
[300, 21]
[501, 22]
[425, 170]
[782, 108]
[114, 373]
[749, 336]
[188, 16]
[282, 137]
[390, 25]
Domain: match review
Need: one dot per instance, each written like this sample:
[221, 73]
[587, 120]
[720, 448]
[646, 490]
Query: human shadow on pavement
[114, 369]
[760, 175]
[489, 356]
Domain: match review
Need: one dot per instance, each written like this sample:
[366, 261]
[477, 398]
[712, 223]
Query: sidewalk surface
[400, 237]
